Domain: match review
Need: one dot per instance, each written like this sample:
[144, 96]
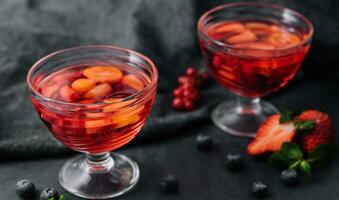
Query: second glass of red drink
[252, 50]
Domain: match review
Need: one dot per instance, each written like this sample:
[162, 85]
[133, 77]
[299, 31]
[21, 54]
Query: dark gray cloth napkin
[165, 31]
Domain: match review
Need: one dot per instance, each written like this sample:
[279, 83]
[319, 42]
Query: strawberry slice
[256, 45]
[133, 81]
[271, 135]
[246, 36]
[260, 29]
[67, 94]
[98, 92]
[68, 76]
[227, 27]
[283, 39]
[50, 91]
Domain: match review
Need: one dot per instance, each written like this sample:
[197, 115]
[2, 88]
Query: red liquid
[91, 127]
[260, 57]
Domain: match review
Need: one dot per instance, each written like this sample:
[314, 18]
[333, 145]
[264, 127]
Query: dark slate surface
[165, 31]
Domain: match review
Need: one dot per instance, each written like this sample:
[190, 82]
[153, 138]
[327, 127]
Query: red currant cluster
[187, 94]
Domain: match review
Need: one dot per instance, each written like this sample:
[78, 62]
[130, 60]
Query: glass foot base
[99, 176]
[242, 118]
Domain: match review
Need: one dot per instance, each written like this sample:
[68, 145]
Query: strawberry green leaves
[286, 116]
[291, 156]
[304, 125]
[289, 116]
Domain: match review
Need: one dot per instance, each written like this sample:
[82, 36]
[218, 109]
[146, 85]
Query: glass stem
[102, 162]
[248, 105]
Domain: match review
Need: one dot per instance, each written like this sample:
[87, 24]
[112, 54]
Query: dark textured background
[165, 31]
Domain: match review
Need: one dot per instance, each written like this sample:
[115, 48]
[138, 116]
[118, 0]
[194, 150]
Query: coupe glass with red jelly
[94, 99]
[252, 50]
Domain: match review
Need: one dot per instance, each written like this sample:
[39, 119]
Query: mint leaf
[322, 155]
[288, 154]
[62, 197]
[291, 151]
[51, 198]
[286, 116]
[295, 165]
[305, 169]
[304, 125]
[278, 160]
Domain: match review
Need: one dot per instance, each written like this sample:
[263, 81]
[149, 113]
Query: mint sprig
[305, 169]
[62, 197]
[323, 155]
[291, 156]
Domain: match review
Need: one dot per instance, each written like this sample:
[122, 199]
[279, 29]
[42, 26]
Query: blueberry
[204, 142]
[169, 184]
[289, 177]
[25, 188]
[234, 162]
[49, 193]
[259, 189]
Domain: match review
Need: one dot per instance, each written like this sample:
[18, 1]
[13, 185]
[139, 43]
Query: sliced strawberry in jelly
[122, 90]
[227, 27]
[260, 29]
[83, 85]
[127, 112]
[257, 26]
[283, 39]
[46, 117]
[127, 121]
[67, 94]
[69, 122]
[95, 130]
[255, 49]
[67, 75]
[133, 81]
[98, 123]
[127, 116]
[116, 104]
[37, 80]
[50, 91]
[51, 82]
[226, 74]
[257, 45]
[99, 92]
[61, 108]
[276, 29]
[217, 60]
[87, 101]
[246, 36]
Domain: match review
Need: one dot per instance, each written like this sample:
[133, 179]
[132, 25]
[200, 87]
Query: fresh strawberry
[271, 135]
[321, 133]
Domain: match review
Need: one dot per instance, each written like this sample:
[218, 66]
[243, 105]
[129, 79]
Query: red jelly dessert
[94, 109]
